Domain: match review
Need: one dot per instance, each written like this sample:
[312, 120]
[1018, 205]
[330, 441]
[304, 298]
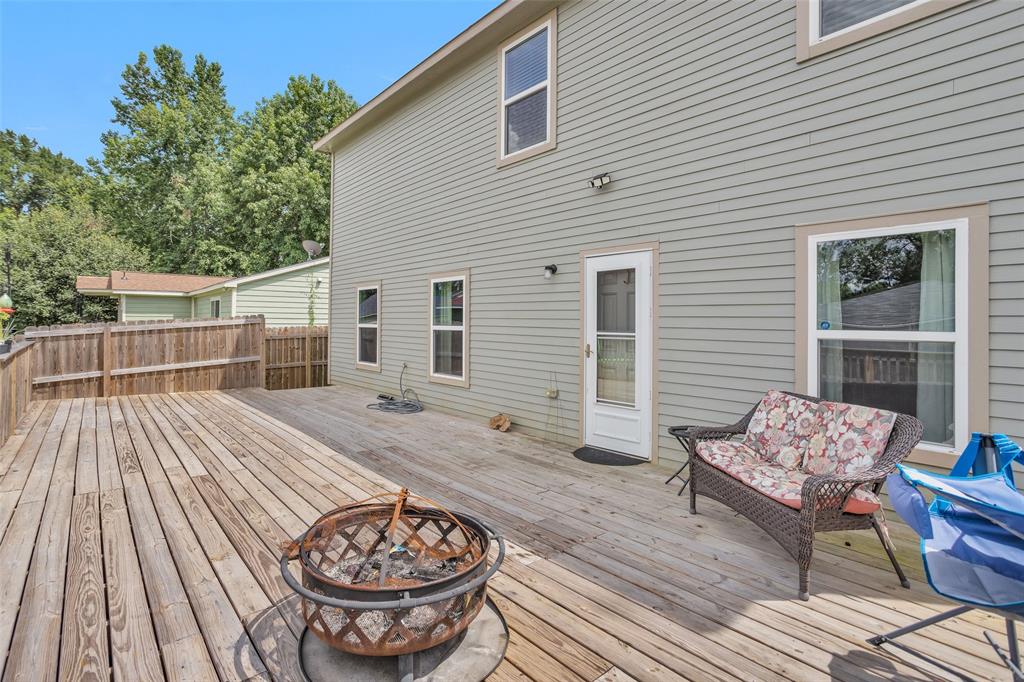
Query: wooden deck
[140, 538]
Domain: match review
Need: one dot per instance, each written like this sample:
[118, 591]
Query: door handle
[586, 350]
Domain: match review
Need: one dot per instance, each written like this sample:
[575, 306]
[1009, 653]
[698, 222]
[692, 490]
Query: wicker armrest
[829, 492]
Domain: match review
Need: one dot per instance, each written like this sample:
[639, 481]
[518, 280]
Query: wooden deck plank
[134, 652]
[174, 508]
[759, 556]
[35, 649]
[230, 649]
[19, 541]
[84, 652]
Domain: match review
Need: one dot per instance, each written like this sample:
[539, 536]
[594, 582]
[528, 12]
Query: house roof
[120, 281]
[158, 283]
[263, 275]
[486, 33]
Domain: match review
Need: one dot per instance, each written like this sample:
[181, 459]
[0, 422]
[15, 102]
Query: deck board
[139, 539]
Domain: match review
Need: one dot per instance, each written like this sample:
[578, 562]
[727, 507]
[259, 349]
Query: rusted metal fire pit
[392, 575]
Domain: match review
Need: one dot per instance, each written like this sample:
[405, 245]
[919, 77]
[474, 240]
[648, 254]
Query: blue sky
[61, 62]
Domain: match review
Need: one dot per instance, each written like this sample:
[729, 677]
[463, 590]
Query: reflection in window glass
[616, 301]
[368, 345]
[367, 306]
[448, 352]
[448, 302]
[526, 64]
[616, 370]
[839, 14]
[896, 282]
[526, 122]
[912, 378]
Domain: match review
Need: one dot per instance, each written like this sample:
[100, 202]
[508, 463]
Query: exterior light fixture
[550, 270]
[599, 181]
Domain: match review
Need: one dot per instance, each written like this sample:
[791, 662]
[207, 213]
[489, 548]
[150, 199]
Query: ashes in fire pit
[406, 567]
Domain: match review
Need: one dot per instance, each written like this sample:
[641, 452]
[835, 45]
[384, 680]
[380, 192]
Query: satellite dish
[312, 248]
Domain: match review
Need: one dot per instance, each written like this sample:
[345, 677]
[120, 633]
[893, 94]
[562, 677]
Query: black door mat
[606, 457]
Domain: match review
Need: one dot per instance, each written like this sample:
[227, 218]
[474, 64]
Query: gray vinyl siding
[718, 144]
[283, 299]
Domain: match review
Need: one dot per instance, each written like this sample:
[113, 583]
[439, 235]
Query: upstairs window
[368, 327]
[527, 92]
[215, 308]
[835, 16]
[826, 25]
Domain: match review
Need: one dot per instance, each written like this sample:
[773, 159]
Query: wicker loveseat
[804, 466]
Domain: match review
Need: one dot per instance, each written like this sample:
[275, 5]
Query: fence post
[107, 360]
[261, 335]
[309, 356]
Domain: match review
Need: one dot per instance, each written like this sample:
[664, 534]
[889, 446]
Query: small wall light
[599, 181]
[550, 270]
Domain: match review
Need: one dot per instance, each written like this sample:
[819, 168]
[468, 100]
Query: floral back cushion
[781, 428]
[850, 439]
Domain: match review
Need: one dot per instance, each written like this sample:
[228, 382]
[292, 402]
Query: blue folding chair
[972, 536]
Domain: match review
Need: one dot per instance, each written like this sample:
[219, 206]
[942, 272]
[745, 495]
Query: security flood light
[599, 181]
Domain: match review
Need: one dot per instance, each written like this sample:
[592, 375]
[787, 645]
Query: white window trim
[551, 24]
[959, 337]
[361, 364]
[458, 380]
[217, 301]
[815, 23]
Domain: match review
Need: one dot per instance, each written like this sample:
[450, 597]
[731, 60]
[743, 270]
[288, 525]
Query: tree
[51, 246]
[165, 172]
[33, 176]
[279, 186]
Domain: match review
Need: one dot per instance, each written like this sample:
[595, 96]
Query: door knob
[586, 350]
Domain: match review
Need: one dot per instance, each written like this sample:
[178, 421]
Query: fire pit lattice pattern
[398, 547]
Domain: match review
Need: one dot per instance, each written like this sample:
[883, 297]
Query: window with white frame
[368, 326]
[449, 317]
[215, 308]
[527, 84]
[833, 17]
[888, 323]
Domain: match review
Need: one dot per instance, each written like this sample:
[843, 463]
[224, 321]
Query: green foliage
[164, 175]
[183, 186]
[279, 186]
[33, 177]
[50, 248]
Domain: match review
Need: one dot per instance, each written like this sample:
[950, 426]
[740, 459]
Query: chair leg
[879, 640]
[1013, 646]
[883, 536]
[805, 584]
[693, 489]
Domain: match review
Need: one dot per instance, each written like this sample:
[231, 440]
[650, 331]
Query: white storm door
[617, 352]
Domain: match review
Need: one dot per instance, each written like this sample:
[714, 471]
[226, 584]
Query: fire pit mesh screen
[394, 546]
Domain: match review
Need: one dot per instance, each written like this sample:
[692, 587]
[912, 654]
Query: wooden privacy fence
[15, 387]
[296, 357]
[130, 358]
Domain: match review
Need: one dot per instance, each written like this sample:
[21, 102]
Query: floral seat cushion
[780, 483]
[781, 428]
[849, 440]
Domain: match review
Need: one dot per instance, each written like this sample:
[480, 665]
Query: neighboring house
[282, 296]
[605, 219]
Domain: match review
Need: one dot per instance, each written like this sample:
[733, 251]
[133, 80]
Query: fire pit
[392, 575]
